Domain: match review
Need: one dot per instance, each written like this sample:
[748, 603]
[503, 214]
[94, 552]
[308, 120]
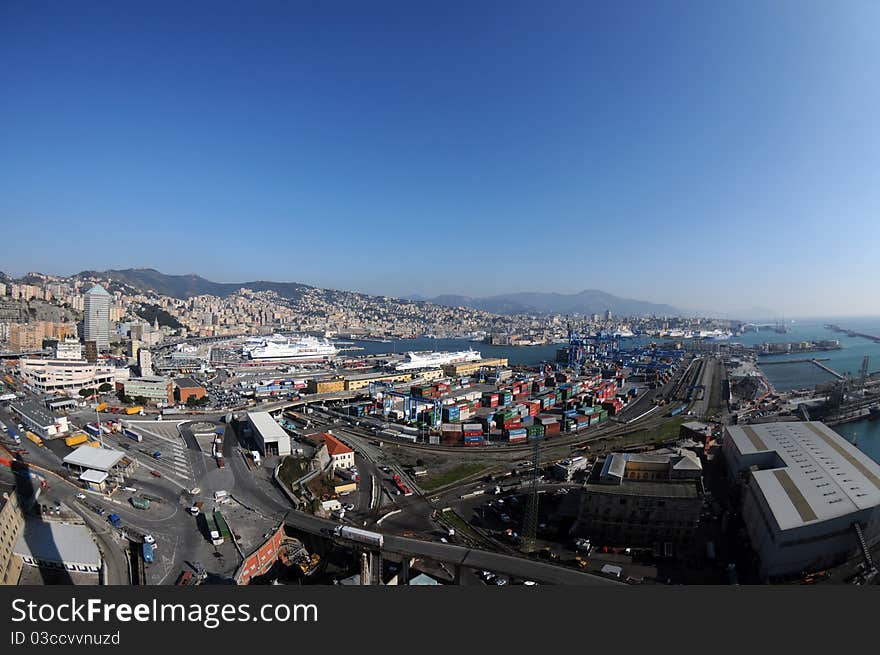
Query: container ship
[429, 359]
[285, 349]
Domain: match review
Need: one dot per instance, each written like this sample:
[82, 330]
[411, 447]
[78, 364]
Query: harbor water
[785, 377]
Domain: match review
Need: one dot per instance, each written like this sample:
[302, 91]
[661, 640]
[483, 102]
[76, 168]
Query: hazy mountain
[186, 286]
[590, 301]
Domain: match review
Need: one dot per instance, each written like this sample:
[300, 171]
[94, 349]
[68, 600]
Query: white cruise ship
[280, 348]
[429, 359]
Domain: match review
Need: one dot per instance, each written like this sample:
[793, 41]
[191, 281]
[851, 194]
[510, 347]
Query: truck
[222, 526]
[101, 407]
[114, 520]
[14, 434]
[361, 536]
[92, 428]
[76, 439]
[132, 435]
[213, 529]
[134, 410]
[37, 440]
[139, 503]
[148, 553]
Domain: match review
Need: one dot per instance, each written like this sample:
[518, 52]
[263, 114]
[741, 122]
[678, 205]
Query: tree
[140, 400]
[85, 393]
[105, 387]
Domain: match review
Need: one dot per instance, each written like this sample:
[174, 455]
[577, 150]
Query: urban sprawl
[249, 437]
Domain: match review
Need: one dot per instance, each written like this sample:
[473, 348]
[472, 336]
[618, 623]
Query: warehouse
[186, 388]
[36, 418]
[807, 493]
[270, 438]
[54, 545]
[105, 460]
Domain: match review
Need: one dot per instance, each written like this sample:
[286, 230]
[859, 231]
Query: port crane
[411, 402]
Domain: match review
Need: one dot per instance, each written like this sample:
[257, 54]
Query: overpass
[458, 556]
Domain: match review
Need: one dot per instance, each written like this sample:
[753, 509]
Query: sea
[785, 377]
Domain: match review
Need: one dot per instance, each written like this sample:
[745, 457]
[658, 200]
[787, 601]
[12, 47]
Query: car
[500, 581]
[348, 507]
[81, 496]
[529, 583]
[131, 489]
[149, 539]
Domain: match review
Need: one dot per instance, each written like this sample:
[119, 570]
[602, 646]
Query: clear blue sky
[720, 157]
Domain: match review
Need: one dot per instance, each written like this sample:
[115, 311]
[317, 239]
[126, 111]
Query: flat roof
[58, 542]
[186, 383]
[100, 459]
[35, 412]
[822, 475]
[657, 489]
[91, 475]
[267, 426]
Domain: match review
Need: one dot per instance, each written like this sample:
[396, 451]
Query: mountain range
[589, 301]
[187, 286]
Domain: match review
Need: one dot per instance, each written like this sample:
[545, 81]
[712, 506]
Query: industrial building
[810, 499]
[11, 526]
[469, 368]
[270, 438]
[155, 389]
[363, 380]
[327, 385]
[64, 375]
[55, 545]
[186, 388]
[39, 420]
[648, 499]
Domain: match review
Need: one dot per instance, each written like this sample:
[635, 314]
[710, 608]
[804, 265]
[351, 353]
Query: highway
[459, 556]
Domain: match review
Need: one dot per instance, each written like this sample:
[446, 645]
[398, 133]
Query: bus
[36, 439]
[93, 430]
[213, 529]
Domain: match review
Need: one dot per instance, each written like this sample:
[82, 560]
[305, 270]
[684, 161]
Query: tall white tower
[96, 322]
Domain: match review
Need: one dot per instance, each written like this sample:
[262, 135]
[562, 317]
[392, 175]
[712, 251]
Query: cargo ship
[430, 359]
[285, 349]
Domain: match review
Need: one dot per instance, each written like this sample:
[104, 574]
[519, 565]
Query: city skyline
[716, 158]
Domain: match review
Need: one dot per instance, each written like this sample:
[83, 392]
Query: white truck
[362, 536]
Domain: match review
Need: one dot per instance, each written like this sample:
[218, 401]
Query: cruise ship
[431, 359]
[284, 349]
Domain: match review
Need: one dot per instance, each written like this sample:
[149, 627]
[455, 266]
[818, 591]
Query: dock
[828, 369]
[805, 360]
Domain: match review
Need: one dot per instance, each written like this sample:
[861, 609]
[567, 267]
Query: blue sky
[709, 155]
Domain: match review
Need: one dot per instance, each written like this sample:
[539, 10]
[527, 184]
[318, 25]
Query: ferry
[430, 359]
[283, 349]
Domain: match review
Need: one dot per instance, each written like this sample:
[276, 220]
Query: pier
[852, 333]
[805, 360]
[815, 361]
[828, 369]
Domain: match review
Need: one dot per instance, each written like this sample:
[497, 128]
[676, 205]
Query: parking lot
[163, 437]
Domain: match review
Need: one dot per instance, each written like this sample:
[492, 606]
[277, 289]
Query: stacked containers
[517, 435]
[451, 434]
[450, 414]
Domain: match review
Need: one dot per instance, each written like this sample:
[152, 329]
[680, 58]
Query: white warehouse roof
[267, 426]
[809, 473]
[58, 542]
[100, 459]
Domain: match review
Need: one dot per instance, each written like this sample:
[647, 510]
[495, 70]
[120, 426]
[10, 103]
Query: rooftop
[186, 383]
[100, 459]
[661, 489]
[267, 426]
[97, 290]
[58, 542]
[816, 474]
[334, 445]
[35, 411]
